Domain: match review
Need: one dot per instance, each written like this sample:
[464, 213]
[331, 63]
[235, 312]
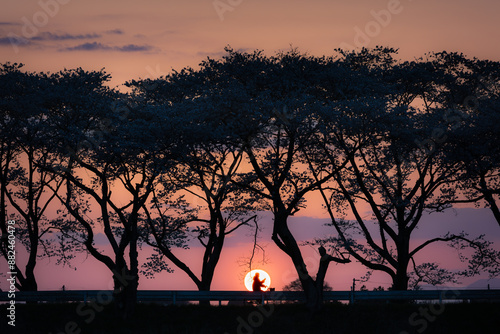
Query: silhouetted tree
[248, 133]
[473, 88]
[108, 158]
[271, 103]
[203, 171]
[398, 169]
[24, 188]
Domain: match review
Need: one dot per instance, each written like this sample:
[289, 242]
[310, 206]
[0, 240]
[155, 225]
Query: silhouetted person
[257, 283]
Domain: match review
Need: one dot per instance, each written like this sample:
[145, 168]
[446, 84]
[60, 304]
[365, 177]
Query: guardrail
[179, 296]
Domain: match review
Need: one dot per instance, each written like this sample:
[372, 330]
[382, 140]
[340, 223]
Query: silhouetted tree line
[196, 154]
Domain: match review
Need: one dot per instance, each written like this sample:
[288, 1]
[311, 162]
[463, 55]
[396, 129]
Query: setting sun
[263, 276]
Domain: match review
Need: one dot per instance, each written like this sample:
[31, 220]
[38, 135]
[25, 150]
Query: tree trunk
[493, 205]
[126, 287]
[286, 242]
[208, 270]
[400, 280]
[314, 295]
[29, 283]
[211, 257]
[316, 301]
[125, 292]
[204, 287]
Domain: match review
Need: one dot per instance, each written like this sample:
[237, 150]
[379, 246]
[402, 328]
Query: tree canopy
[199, 153]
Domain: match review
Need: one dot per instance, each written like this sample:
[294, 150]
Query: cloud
[39, 39]
[88, 47]
[114, 32]
[95, 46]
[14, 40]
[48, 36]
[134, 48]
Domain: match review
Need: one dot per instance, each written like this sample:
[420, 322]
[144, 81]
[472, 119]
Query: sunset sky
[140, 39]
[133, 39]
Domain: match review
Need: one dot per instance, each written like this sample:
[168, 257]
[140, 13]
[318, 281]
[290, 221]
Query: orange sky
[133, 39]
[90, 274]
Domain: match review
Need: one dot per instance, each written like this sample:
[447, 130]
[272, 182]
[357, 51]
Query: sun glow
[263, 276]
